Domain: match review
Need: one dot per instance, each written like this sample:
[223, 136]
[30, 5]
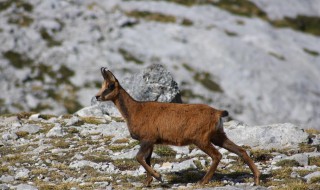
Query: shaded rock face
[154, 83]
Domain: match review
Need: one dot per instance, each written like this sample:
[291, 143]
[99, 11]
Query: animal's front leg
[149, 176]
[145, 149]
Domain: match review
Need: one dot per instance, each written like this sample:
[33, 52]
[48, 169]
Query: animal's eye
[111, 86]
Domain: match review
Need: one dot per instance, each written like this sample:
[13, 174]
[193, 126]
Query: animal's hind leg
[215, 155]
[149, 176]
[222, 140]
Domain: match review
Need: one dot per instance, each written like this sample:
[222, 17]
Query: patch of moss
[311, 52]
[126, 164]
[240, 7]
[292, 185]
[129, 57]
[307, 24]
[4, 169]
[287, 163]
[46, 116]
[230, 33]
[92, 120]
[282, 173]
[315, 179]
[261, 155]
[117, 148]
[187, 94]
[25, 115]
[204, 78]
[164, 150]
[65, 74]
[19, 4]
[186, 22]
[72, 130]
[121, 141]
[150, 16]
[17, 59]
[71, 105]
[186, 2]
[279, 57]
[304, 147]
[107, 139]
[48, 38]
[98, 157]
[314, 161]
[21, 20]
[188, 67]
[22, 134]
[40, 107]
[61, 144]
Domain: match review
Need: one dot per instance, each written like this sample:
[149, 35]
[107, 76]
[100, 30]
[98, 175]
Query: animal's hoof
[202, 182]
[158, 177]
[148, 181]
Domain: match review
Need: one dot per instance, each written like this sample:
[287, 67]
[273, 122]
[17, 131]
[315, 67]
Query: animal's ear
[107, 75]
[111, 77]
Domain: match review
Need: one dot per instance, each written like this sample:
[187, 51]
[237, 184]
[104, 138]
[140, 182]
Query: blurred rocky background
[258, 59]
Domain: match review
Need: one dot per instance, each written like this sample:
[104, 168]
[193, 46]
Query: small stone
[30, 128]
[6, 178]
[166, 165]
[302, 159]
[9, 136]
[22, 174]
[294, 174]
[4, 187]
[56, 131]
[34, 117]
[26, 187]
[309, 177]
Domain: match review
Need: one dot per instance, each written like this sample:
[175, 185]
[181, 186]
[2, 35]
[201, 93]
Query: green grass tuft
[17, 59]
[129, 57]
[164, 150]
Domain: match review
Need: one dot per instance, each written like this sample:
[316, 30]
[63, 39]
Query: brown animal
[173, 124]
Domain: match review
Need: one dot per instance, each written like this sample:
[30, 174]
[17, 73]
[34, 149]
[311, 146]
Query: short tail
[224, 113]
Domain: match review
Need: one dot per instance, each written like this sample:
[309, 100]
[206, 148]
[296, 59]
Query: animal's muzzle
[98, 98]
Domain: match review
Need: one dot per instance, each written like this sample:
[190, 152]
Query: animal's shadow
[194, 176]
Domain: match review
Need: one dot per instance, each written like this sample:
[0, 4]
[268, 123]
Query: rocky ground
[39, 151]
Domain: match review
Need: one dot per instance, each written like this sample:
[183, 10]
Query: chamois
[171, 123]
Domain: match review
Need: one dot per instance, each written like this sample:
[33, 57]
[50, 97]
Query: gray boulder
[302, 159]
[26, 187]
[90, 111]
[30, 128]
[6, 178]
[154, 83]
[309, 177]
[266, 137]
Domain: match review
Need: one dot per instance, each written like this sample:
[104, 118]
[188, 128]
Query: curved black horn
[103, 72]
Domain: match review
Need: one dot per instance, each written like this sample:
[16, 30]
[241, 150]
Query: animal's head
[110, 86]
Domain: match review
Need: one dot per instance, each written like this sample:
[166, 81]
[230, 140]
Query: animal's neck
[125, 104]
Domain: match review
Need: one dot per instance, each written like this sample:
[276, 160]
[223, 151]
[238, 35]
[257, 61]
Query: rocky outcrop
[266, 137]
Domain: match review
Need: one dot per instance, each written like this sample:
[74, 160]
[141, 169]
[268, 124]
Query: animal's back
[180, 124]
